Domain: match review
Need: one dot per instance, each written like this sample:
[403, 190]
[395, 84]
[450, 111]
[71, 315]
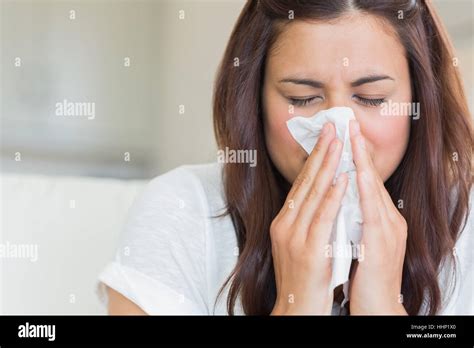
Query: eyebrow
[369, 79]
[319, 84]
[308, 82]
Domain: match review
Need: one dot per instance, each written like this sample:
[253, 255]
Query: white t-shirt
[175, 254]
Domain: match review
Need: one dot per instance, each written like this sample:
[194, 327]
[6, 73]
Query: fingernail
[361, 141]
[334, 145]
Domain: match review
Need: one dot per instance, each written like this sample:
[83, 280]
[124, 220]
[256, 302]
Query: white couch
[74, 224]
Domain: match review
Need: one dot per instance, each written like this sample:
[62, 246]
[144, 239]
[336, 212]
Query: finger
[323, 221]
[376, 222]
[364, 162]
[307, 175]
[369, 201]
[361, 156]
[375, 218]
[390, 208]
[320, 186]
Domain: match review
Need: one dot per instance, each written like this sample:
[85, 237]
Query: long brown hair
[437, 162]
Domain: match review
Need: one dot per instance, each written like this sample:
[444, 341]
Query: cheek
[387, 138]
[278, 132]
[278, 137]
[281, 143]
[286, 154]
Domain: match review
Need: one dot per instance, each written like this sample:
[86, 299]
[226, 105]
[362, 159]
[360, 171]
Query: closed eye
[372, 102]
[302, 101]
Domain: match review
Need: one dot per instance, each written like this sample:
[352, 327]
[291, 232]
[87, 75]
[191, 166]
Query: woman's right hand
[301, 232]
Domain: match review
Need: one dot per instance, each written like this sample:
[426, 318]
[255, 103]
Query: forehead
[353, 44]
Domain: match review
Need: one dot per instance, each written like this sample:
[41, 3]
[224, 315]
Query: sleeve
[160, 264]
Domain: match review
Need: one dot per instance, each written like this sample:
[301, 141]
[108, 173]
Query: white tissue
[346, 233]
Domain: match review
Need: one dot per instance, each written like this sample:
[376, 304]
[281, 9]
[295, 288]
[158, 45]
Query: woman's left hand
[376, 281]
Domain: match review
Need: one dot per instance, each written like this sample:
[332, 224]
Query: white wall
[188, 55]
[78, 60]
[458, 17]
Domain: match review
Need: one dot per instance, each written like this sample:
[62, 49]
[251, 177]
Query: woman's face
[337, 57]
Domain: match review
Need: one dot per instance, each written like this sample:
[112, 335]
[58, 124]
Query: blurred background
[147, 65]
[147, 69]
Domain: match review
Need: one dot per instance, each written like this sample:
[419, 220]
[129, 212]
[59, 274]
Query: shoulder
[189, 178]
[176, 206]
[188, 189]
[172, 213]
[203, 173]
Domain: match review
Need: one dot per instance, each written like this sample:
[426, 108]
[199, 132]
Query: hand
[376, 282]
[301, 232]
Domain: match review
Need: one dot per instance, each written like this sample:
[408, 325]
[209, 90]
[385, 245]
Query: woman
[253, 242]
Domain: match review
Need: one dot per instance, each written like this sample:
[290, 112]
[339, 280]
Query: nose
[336, 99]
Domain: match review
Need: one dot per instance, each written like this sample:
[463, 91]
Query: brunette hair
[425, 179]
